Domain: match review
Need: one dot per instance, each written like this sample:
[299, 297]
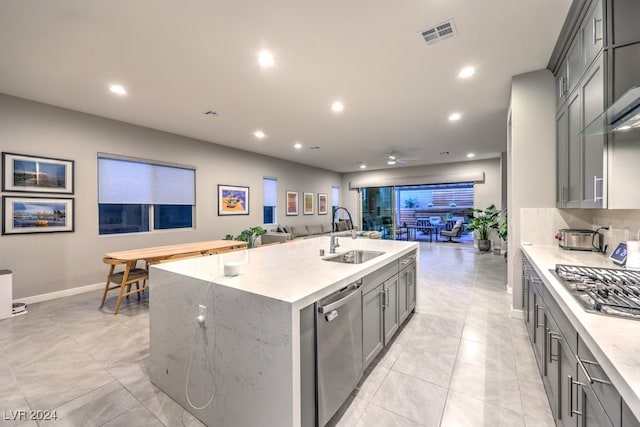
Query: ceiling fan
[393, 159]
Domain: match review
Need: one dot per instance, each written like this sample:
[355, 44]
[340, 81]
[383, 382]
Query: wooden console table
[130, 275]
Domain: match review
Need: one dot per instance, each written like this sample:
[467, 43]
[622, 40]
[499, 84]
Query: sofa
[283, 233]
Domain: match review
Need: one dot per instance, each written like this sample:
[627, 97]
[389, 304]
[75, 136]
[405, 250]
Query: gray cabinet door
[566, 367]
[372, 324]
[628, 419]
[592, 31]
[626, 68]
[562, 156]
[411, 287]
[574, 126]
[406, 291]
[625, 22]
[575, 63]
[594, 148]
[390, 308]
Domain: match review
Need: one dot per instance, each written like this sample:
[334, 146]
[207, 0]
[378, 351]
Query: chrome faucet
[334, 244]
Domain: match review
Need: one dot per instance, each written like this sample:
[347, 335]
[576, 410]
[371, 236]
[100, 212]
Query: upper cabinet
[592, 32]
[581, 95]
[596, 61]
[625, 16]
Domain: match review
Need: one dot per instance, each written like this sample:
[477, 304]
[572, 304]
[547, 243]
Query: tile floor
[459, 361]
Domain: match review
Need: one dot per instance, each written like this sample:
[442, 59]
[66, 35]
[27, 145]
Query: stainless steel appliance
[603, 290]
[579, 240]
[339, 348]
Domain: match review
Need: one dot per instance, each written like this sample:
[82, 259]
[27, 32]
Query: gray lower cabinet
[579, 391]
[390, 308]
[628, 419]
[407, 286]
[372, 324]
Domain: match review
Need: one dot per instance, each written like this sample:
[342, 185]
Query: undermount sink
[354, 257]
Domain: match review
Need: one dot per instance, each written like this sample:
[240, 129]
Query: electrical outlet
[202, 310]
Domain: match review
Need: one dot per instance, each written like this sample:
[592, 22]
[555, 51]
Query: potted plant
[503, 230]
[482, 223]
[250, 235]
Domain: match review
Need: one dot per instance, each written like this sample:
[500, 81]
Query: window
[270, 200]
[335, 196]
[136, 196]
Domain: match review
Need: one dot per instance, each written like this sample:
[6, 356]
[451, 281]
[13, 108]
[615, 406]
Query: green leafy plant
[484, 221]
[249, 235]
[411, 202]
[503, 228]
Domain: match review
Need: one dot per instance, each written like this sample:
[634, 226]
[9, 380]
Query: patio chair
[456, 231]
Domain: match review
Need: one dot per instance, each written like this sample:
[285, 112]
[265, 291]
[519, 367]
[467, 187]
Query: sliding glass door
[378, 210]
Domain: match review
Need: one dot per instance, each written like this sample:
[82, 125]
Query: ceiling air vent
[439, 32]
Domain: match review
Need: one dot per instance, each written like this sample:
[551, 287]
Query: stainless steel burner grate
[603, 290]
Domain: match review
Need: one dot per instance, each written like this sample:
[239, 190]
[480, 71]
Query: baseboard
[60, 294]
[517, 313]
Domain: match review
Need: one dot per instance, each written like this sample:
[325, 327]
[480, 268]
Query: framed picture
[22, 173]
[307, 200]
[233, 200]
[323, 204]
[28, 215]
[292, 202]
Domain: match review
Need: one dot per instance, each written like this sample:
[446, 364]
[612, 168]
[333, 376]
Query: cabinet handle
[570, 384]
[386, 297]
[553, 336]
[586, 373]
[383, 292]
[595, 188]
[595, 31]
[537, 316]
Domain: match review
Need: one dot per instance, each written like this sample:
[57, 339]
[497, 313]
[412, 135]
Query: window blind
[136, 182]
[270, 192]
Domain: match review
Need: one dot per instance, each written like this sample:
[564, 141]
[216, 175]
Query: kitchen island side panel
[243, 357]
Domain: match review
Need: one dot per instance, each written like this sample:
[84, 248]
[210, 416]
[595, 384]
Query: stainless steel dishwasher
[339, 348]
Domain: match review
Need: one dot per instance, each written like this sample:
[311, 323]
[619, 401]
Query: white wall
[45, 263]
[531, 161]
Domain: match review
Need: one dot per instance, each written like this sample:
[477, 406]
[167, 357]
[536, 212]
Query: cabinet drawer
[407, 259]
[373, 280]
[605, 392]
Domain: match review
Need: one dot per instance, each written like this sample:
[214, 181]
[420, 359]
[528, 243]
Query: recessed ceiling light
[470, 155]
[391, 162]
[118, 90]
[259, 134]
[337, 107]
[297, 146]
[466, 72]
[363, 166]
[454, 117]
[265, 59]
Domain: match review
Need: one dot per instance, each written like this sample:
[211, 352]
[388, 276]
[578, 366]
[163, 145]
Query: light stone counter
[247, 358]
[614, 341]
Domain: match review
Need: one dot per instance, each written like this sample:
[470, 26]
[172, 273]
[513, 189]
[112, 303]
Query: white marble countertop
[293, 272]
[614, 341]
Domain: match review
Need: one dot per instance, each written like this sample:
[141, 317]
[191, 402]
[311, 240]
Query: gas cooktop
[603, 290]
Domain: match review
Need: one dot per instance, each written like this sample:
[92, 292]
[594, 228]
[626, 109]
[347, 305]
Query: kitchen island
[613, 341]
[228, 349]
